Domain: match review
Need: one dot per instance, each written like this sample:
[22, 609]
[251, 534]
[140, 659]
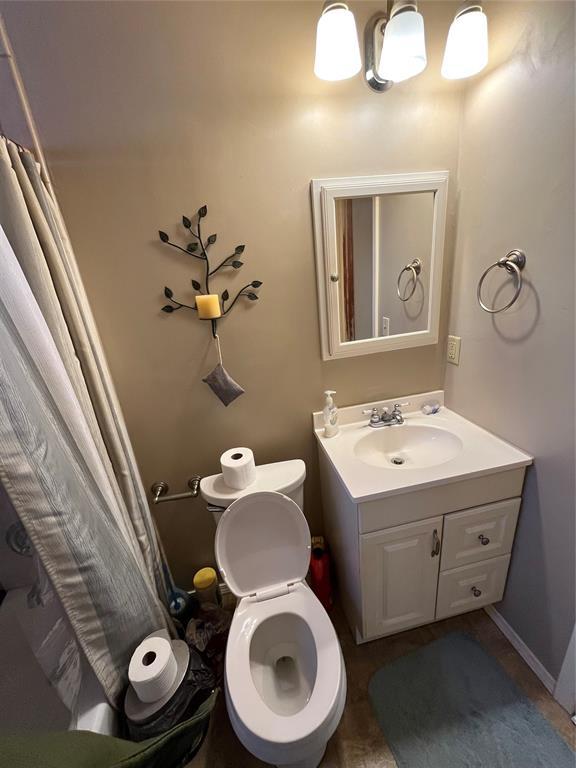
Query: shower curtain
[66, 464]
[345, 246]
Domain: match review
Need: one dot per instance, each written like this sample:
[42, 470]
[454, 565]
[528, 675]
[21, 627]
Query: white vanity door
[400, 576]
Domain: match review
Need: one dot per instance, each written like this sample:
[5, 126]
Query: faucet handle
[397, 406]
[374, 414]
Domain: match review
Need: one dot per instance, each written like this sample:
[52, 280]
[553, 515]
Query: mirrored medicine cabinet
[379, 244]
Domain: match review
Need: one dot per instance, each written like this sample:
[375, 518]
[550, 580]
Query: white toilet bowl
[285, 677]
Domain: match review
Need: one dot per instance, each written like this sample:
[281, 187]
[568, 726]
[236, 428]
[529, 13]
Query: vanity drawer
[479, 533]
[472, 586]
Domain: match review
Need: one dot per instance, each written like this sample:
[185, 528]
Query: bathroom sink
[407, 446]
[426, 450]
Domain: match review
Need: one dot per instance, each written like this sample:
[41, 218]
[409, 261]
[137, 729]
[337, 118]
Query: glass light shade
[337, 49]
[466, 51]
[404, 47]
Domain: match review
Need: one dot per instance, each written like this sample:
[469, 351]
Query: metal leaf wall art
[215, 306]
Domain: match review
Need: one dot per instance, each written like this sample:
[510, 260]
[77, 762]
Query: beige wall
[516, 373]
[147, 111]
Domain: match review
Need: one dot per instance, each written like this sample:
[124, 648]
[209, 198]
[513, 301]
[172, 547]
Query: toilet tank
[285, 477]
[297, 495]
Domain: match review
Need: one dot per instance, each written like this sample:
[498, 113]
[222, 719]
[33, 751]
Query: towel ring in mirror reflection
[514, 262]
[415, 267]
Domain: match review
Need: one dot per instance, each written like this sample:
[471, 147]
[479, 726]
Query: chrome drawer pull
[484, 539]
[476, 592]
[435, 543]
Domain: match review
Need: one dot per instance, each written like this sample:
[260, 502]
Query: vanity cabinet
[414, 574]
[450, 556]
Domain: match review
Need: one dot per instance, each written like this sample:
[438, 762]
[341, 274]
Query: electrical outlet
[453, 350]
[385, 326]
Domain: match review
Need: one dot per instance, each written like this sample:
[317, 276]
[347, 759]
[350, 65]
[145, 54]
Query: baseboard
[520, 646]
[565, 690]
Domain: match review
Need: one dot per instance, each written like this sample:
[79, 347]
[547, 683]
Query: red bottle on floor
[320, 572]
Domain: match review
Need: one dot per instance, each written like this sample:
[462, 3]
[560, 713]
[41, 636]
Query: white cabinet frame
[325, 192]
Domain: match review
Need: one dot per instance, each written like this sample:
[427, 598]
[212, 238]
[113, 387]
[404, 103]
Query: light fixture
[404, 48]
[395, 44]
[337, 49]
[466, 51]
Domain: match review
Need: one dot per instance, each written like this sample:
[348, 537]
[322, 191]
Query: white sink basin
[407, 446]
[423, 451]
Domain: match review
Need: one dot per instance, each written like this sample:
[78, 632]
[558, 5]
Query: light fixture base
[331, 4]
[467, 6]
[373, 33]
[402, 5]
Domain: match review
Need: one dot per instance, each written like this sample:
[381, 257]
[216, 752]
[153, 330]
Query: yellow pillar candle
[208, 306]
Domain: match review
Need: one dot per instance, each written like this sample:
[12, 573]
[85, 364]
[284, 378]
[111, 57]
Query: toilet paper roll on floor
[152, 669]
[156, 669]
[238, 468]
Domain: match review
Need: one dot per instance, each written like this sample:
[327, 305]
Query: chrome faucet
[386, 418]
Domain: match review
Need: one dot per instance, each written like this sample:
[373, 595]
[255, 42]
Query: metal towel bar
[160, 489]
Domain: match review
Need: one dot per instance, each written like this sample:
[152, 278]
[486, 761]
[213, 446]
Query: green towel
[84, 749]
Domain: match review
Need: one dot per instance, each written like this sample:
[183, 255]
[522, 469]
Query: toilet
[285, 680]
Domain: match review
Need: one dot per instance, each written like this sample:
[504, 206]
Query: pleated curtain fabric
[66, 460]
[348, 272]
[345, 250]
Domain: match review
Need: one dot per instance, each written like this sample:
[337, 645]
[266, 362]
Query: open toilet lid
[262, 541]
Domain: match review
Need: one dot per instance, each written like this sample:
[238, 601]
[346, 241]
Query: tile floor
[359, 742]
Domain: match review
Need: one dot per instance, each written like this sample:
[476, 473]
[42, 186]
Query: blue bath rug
[451, 705]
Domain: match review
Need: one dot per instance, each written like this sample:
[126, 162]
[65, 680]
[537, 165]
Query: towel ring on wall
[514, 262]
[415, 267]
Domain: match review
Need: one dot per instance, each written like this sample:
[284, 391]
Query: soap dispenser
[330, 413]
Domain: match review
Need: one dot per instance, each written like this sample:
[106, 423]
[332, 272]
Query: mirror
[383, 245]
[379, 243]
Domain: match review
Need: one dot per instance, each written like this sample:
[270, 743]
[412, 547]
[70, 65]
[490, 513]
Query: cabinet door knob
[484, 539]
[435, 543]
[476, 592]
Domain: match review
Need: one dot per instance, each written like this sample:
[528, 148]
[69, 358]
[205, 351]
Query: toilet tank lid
[262, 545]
[281, 476]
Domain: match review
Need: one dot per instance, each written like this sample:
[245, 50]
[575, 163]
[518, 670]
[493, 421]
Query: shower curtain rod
[8, 54]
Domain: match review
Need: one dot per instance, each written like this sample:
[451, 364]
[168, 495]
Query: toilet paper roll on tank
[221, 490]
[238, 468]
